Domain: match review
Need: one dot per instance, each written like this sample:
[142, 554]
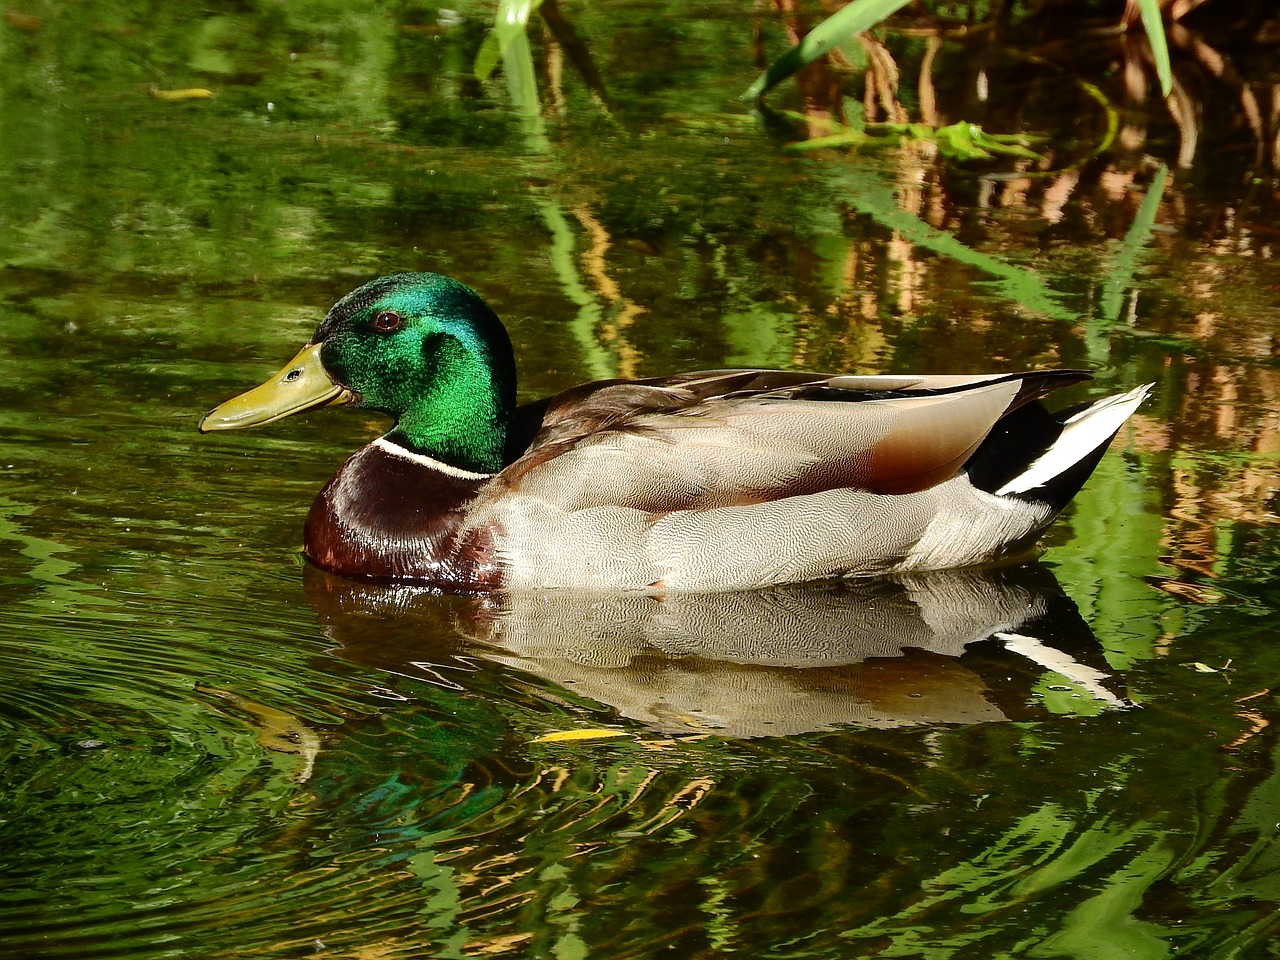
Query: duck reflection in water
[948, 647]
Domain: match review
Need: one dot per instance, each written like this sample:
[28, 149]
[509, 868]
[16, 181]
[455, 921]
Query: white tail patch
[1081, 435]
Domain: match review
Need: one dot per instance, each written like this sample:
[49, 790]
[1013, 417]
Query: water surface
[210, 750]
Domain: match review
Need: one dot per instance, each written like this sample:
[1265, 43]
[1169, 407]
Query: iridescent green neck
[462, 418]
[428, 351]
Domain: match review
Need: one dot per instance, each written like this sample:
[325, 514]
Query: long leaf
[844, 24]
[868, 194]
[509, 22]
[1153, 23]
[1124, 265]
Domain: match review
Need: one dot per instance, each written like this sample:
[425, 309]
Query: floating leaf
[188, 93]
[565, 736]
[968, 141]
[959, 141]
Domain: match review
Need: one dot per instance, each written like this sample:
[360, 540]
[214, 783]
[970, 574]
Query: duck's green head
[418, 346]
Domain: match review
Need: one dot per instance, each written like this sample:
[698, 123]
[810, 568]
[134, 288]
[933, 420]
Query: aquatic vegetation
[857, 16]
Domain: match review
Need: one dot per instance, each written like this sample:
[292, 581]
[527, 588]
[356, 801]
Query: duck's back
[729, 480]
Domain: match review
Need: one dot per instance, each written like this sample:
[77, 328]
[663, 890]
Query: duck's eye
[387, 321]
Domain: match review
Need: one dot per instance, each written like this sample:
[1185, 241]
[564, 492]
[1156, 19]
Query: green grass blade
[510, 21]
[844, 24]
[1129, 256]
[1153, 23]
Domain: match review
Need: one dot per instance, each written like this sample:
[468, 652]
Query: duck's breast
[392, 514]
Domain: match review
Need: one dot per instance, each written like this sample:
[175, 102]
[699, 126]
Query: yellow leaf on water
[189, 93]
[1201, 667]
[561, 736]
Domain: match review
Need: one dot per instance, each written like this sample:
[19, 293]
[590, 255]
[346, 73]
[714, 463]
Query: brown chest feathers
[390, 515]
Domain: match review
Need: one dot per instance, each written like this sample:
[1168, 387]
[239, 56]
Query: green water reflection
[208, 750]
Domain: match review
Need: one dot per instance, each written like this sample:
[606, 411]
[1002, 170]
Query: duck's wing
[729, 437]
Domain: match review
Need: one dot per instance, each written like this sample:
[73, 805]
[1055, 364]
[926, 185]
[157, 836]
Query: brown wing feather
[551, 427]
[725, 437]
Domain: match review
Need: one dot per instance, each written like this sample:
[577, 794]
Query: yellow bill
[302, 384]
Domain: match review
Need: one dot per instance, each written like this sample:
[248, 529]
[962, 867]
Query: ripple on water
[156, 748]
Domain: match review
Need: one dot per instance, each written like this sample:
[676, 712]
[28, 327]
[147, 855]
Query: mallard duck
[710, 481]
